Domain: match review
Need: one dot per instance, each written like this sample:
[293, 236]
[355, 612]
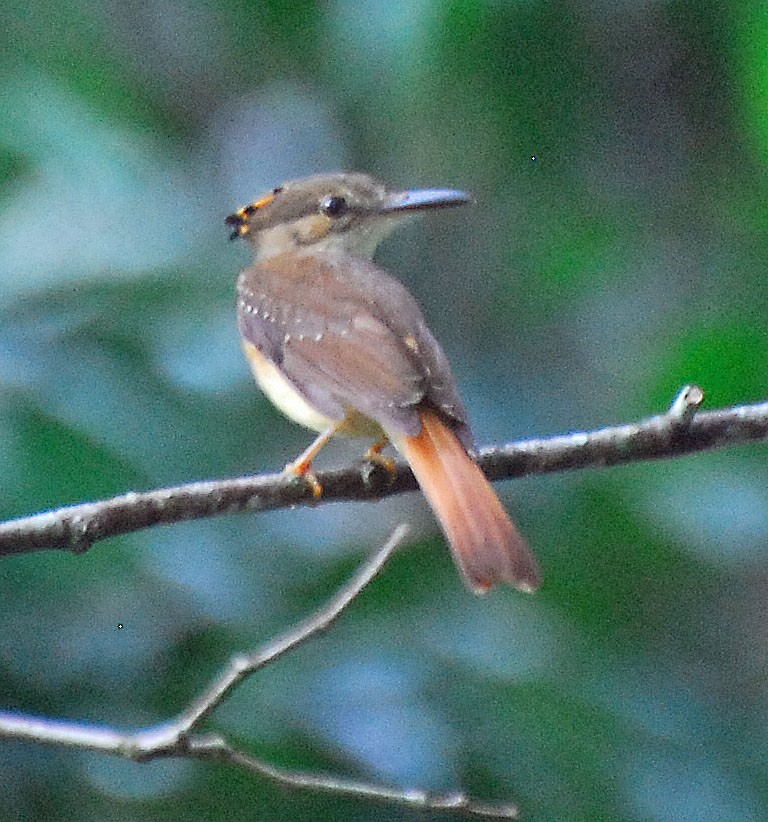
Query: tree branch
[681, 430]
[180, 737]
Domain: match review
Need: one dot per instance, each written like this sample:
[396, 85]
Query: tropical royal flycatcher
[341, 347]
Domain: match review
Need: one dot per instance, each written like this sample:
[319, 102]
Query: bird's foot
[302, 469]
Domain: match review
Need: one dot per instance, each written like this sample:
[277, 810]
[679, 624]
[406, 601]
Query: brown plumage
[342, 347]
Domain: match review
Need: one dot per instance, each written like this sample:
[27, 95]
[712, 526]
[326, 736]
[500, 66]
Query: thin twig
[178, 736]
[168, 738]
[681, 430]
[243, 665]
[215, 747]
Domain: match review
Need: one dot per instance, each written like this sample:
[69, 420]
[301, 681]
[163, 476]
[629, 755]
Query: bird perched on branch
[341, 347]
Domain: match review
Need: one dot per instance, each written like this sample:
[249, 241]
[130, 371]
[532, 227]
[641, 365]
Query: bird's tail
[485, 543]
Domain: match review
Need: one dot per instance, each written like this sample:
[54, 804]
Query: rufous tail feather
[486, 545]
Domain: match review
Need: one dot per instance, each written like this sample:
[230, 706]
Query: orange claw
[303, 470]
[302, 465]
[374, 455]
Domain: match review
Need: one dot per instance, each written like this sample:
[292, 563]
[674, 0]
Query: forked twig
[180, 736]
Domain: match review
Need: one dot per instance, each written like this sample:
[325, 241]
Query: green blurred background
[617, 250]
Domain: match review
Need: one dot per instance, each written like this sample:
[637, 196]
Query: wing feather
[348, 336]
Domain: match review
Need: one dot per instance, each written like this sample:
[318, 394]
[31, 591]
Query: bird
[341, 347]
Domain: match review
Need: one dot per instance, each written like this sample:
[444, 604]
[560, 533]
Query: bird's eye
[334, 206]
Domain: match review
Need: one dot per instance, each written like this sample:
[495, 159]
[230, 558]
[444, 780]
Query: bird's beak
[423, 199]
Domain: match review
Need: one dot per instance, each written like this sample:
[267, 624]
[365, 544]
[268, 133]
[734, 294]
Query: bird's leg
[374, 455]
[302, 465]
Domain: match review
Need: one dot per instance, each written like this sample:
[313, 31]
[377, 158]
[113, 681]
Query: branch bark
[681, 430]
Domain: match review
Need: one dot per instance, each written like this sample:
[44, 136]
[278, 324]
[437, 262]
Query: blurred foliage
[617, 250]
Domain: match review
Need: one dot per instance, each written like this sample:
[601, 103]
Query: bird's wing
[348, 336]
